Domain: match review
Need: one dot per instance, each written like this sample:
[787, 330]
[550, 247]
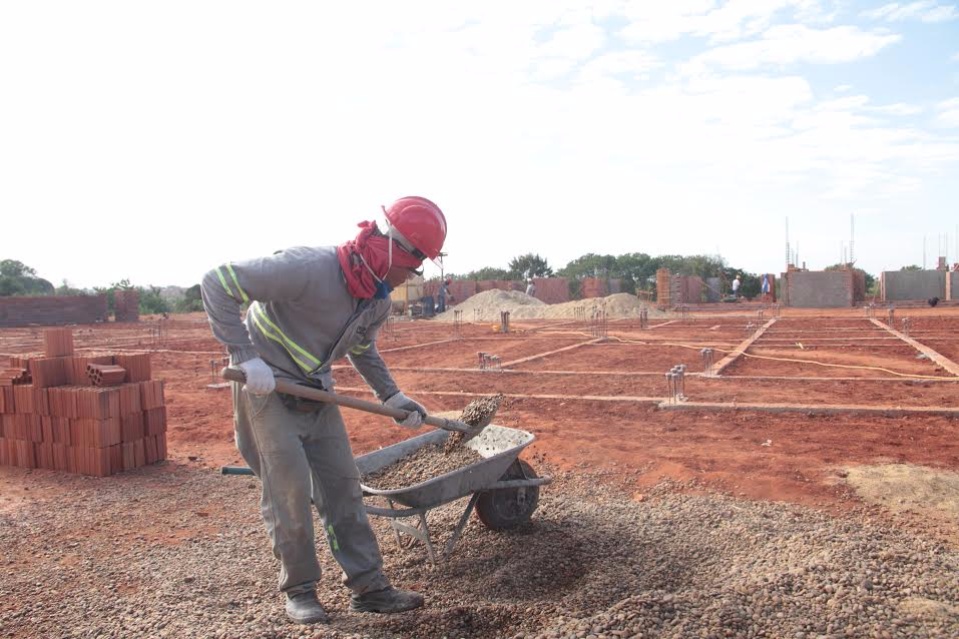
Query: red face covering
[374, 249]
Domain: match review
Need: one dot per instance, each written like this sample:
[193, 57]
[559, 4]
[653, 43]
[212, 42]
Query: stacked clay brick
[52, 415]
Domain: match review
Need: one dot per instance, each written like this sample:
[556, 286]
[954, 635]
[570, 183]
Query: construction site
[761, 469]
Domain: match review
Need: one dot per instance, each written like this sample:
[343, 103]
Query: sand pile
[486, 306]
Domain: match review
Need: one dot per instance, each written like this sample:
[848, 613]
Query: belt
[299, 404]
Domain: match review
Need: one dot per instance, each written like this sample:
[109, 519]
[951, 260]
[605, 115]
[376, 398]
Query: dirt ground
[594, 403]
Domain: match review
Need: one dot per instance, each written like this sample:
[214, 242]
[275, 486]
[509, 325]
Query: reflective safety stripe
[237, 284]
[332, 535]
[361, 348]
[219, 274]
[303, 359]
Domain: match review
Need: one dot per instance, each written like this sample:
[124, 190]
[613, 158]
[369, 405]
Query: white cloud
[955, 57]
[790, 44]
[923, 10]
[948, 113]
[508, 115]
[899, 108]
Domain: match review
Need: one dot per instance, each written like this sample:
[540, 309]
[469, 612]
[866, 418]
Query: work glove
[259, 376]
[416, 410]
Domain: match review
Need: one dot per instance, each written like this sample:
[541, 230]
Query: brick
[130, 399]
[150, 450]
[44, 453]
[132, 427]
[151, 394]
[137, 366]
[95, 433]
[161, 447]
[59, 456]
[116, 459]
[25, 454]
[155, 421]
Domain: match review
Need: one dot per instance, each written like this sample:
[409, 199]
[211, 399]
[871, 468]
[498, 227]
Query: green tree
[488, 273]
[191, 301]
[150, 301]
[14, 268]
[16, 278]
[529, 265]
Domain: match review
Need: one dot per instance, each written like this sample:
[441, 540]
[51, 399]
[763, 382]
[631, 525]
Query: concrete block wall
[53, 311]
[126, 306]
[552, 290]
[818, 289]
[593, 287]
[912, 285]
[714, 289]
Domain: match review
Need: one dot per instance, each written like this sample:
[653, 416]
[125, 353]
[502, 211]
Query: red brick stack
[52, 416]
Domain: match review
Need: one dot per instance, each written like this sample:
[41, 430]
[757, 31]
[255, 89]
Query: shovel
[298, 390]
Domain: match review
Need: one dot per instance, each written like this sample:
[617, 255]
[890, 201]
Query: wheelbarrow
[503, 489]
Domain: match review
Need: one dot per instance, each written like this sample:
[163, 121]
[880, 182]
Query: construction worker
[736, 285]
[441, 295]
[530, 288]
[309, 307]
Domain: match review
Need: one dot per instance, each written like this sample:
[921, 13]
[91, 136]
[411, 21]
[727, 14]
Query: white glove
[416, 410]
[259, 376]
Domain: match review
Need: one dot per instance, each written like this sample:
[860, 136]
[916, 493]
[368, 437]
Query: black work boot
[305, 608]
[386, 601]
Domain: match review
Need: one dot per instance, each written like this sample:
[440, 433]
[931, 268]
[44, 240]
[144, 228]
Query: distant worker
[441, 296]
[531, 288]
[308, 308]
[765, 286]
[736, 284]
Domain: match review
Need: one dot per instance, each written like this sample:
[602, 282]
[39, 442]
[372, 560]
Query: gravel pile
[486, 307]
[424, 463]
[182, 552]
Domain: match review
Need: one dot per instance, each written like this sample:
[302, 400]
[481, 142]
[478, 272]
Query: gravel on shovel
[479, 412]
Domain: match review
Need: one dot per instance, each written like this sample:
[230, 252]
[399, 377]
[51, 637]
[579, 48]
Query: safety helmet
[417, 224]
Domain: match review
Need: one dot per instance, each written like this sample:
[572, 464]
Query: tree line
[636, 271]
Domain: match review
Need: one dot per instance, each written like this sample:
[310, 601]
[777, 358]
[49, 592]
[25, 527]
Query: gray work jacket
[301, 317]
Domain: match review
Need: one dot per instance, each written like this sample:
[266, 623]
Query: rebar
[457, 323]
[759, 315]
[707, 354]
[891, 318]
[905, 325]
[391, 327]
[504, 321]
[483, 360]
[644, 318]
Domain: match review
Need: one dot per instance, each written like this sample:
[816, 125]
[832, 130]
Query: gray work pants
[297, 455]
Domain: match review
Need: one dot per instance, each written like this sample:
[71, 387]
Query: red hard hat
[421, 223]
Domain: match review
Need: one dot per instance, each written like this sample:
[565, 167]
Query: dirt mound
[486, 306]
[907, 487]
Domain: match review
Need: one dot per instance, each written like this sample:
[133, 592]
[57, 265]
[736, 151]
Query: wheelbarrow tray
[498, 445]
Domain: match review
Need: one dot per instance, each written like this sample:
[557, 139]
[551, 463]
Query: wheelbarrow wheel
[510, 507]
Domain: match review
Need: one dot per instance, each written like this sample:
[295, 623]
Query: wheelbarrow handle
[298, 390]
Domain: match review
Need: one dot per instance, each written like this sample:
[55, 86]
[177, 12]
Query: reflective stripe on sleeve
[219, 274]
[236, 283]
[304, 360]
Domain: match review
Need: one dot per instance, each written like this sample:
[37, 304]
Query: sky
[154, 141]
